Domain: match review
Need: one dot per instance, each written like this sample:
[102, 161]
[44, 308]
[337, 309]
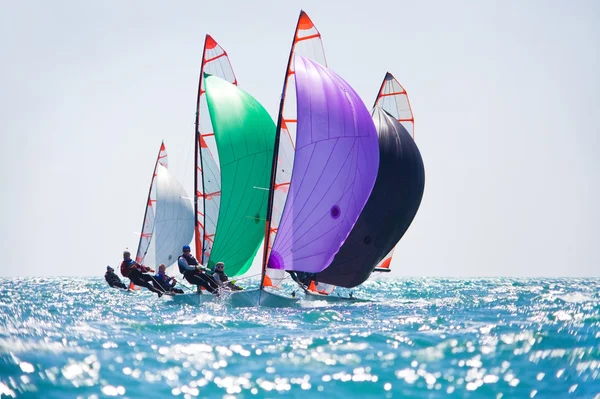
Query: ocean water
[420, 338]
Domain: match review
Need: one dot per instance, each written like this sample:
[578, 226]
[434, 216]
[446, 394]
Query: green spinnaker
[245, 137]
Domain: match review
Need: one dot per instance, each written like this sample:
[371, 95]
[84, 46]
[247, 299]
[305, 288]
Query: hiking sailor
[135, 272]
[164, 282]
[112, 279]
[222, 279]
[194, 273]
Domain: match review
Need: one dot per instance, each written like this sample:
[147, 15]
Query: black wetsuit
[187, 267]
[113, 280]
[140, 279]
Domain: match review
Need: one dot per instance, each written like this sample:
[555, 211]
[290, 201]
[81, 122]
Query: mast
[380, 93]
[275, 155]
[148, 200]
[199, 240]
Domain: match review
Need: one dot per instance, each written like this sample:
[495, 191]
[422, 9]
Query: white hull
[240, 299]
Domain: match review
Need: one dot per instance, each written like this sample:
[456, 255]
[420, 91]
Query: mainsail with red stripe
[207, 179]
[168, 219]
[307, 42]
[148, 224]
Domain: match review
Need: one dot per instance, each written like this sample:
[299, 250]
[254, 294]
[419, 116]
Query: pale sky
[505, 96]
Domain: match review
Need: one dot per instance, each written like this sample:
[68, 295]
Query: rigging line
[247, 277]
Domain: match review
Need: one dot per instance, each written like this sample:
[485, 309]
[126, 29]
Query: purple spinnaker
[335, 167]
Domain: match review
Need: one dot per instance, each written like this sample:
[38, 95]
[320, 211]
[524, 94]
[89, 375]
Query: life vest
[222, 276]
[190, 261]
[126, 267]
[163, 280]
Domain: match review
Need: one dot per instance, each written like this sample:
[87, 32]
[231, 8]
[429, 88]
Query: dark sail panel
[390, 209]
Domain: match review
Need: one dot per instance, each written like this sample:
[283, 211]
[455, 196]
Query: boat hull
[313, 296]
[240, 299]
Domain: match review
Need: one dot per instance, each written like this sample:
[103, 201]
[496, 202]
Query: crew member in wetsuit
[302, 278]
[164, 282]
[194, 273]
[112, 279]
[135, 272]
[222, 279]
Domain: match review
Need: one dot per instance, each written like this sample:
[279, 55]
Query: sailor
[135, 272]
[112, 279]
[195, 273]
[222, 279]
[164, 282]
[302, 278]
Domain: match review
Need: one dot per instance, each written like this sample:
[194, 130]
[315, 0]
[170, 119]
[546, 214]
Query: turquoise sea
[420, 338]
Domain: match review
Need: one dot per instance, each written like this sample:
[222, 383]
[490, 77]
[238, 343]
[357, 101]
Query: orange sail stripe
[267, 281]
[397, 93]
[202, 142]
[386, 263]
[291, 140]
[210, 43]
[281, 185]
[299, 39]
[304, 23]
[216, 57]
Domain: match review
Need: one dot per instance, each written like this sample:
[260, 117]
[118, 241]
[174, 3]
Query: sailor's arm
[184, 265]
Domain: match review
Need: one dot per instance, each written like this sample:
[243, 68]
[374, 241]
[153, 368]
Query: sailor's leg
[142, 281]
[197, 279]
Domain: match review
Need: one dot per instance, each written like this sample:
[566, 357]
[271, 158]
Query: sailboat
[234, 138]
[324, 166]
[168, 219]
[394, 200]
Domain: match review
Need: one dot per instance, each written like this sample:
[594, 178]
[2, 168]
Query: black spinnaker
[390, 209]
